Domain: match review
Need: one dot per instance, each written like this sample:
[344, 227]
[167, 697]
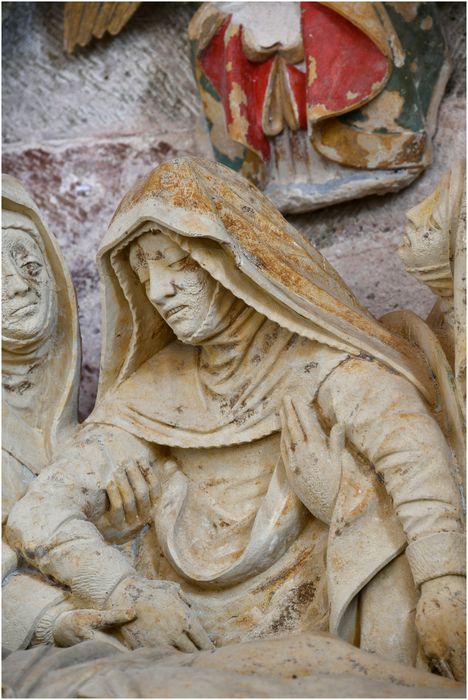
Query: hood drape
[62, 360]
[237, 235]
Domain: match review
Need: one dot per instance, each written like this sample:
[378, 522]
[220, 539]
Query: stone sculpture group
[270, 477]
[267, 499]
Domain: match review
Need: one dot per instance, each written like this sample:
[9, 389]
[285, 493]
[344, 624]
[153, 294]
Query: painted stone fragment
[320, 102]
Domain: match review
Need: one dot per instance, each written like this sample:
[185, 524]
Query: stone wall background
[78, 131]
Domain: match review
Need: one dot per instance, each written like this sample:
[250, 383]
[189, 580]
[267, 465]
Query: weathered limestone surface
[40, 377]
[261, 463]
[86, 127]
[44, 672]
[77, 184]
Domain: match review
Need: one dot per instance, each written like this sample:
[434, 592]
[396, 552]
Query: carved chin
[26, 323]
[25, 331]
[183, 327]
[183, 333]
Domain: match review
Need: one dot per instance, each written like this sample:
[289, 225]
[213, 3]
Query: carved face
[175, 284]
[421, 227]
[425, 249]
[27, 291]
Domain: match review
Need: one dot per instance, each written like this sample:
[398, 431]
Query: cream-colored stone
[434, 250]
[312, 665]
[39, 346]
[262, 452]
[40, 376]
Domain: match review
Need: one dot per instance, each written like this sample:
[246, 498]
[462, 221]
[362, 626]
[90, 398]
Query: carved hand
[75, 626]
[164, 617]
[311, 459]
[441, 624]
[132, 492]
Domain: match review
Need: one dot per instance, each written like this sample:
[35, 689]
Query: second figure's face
[175, 284]
[27, 288]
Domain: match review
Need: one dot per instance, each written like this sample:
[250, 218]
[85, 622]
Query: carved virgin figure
[283, 464]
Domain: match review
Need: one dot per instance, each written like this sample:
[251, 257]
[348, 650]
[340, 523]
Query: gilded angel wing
[85, 20]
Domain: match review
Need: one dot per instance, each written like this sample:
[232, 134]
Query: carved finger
[337, 441]
[169, 468]
[101, 619]
[127, 495]
[199, 637]
[311, 424]
[291, 422]
[116, 511]
[304, 417]
[183, 643]
[152, 481]
[140, 489]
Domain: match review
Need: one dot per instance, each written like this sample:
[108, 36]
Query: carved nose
[161, 288]
[16, 285]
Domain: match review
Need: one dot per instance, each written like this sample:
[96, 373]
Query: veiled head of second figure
[175, 284]
[27, 291]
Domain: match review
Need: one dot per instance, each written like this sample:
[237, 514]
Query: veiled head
[27, 293]
[425, 249]
[238, 237]
[175, 284]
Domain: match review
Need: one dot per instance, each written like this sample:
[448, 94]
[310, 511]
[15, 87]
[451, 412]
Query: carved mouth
[173, 311]
[22, 310]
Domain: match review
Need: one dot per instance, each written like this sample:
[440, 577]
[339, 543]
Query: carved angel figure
[303, 483]
[40, 378]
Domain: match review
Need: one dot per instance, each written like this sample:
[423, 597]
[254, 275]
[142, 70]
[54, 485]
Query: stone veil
[303, 478]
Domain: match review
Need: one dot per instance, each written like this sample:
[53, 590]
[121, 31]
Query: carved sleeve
[26, 599]
[53, 524]
[386, 420]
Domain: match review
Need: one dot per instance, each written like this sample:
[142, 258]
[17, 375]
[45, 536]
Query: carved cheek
[195, 286]
[44, 292]
[42, 289]
[39, 284]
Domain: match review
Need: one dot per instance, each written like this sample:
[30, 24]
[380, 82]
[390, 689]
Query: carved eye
[181, 264]
[32, 268]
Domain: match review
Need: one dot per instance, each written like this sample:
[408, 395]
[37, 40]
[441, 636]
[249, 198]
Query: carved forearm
[65, 545]
[388, 422]
[52, 524]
